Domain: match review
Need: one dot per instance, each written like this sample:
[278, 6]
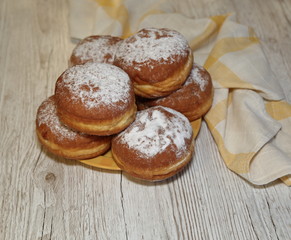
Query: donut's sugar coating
[150, 47]
[156, 145]
[63, 141]
[157, 60]
[96, 98]
[96, 48]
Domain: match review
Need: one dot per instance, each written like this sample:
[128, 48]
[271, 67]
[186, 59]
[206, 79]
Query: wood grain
[45, 197]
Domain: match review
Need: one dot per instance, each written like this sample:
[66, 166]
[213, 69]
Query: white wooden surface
[45, 197]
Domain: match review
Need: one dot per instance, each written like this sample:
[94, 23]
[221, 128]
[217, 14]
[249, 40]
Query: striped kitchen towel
[250, 119]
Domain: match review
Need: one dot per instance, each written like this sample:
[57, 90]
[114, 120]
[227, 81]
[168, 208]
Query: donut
[157, 60]
[157, 145]
[194, 98]
[95, 98]
[63, 141]
[96, 48]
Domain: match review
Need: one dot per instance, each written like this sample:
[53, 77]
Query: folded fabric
[250, 119]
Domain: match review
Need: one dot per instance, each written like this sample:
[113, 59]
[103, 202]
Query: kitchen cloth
[250, 118]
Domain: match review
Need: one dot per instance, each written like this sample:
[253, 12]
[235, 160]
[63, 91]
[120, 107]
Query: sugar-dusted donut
[95, 98]
[157, 145]
[63, 141]
[194, 98]
[157, 60]
[96, 48]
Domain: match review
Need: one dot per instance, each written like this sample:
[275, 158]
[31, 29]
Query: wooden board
[46, 197]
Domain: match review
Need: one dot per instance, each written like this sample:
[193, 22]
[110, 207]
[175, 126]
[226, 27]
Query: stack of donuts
[135, 96]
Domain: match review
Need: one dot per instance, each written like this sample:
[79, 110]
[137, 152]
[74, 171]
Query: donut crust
[157, 145]
[63, 141]
[159, 173]
[102, 127]
[82, 151]
[157, 60]
[192, 100]
[88, 106]
[95, 48]
[165, 87]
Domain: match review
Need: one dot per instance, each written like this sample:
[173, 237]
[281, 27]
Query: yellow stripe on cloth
[150, 12]
[225, 77]
[211, 29]
[217, 113]
[199, 40]
[116, 10]
[287, 180]
[278, 109]
[219, 19]
[226, 45]
[238, 163]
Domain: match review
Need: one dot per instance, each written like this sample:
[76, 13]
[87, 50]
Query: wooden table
[46, 197]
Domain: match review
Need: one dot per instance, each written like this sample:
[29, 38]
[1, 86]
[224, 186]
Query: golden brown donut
[95, 98]
[157, 145]
[194, 98]
[96, 48]
[157, 60]
[63, 141]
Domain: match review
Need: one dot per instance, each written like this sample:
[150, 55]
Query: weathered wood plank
[45, 197]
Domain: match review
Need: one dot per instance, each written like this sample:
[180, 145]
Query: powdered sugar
[47, 115]
[196, 76]
[97, 84]
[153, 131]
[153, 44]
[99, 49]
